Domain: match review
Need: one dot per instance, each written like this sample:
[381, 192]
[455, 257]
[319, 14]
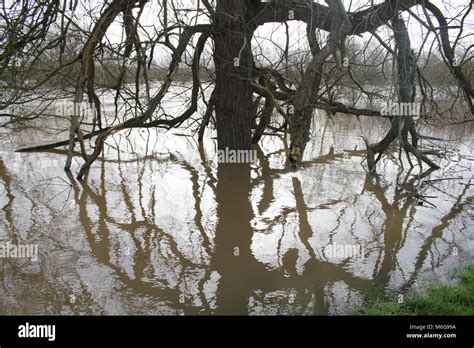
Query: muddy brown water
[159, 227]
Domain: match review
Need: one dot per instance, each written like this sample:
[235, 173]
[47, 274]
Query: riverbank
[431, 299]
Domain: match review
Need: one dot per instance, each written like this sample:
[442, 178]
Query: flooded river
[159, 227]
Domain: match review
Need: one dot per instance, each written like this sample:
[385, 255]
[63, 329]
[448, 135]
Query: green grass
[431, 299]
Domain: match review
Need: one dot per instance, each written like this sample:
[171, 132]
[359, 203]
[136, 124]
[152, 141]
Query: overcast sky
[273, 34]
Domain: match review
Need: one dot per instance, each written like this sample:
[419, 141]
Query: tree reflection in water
[170, 234]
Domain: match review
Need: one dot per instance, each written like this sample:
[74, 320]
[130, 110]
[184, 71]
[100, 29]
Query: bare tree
[245, 95]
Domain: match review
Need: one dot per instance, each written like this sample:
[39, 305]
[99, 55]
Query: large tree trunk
[233, 60]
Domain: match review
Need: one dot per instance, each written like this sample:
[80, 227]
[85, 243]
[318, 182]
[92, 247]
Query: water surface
[158, 227]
